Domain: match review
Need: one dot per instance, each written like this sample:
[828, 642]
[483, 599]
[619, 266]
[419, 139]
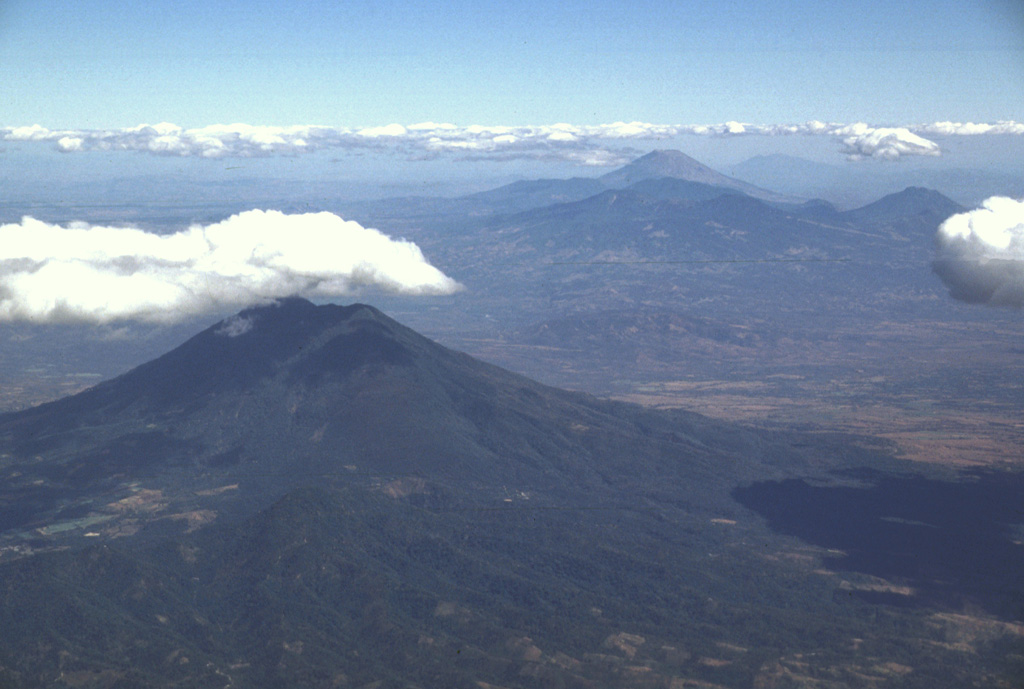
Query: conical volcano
[317, 496]
[677, 165]
[290, 393]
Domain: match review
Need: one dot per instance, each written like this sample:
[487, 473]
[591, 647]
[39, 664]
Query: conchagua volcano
[317, 496]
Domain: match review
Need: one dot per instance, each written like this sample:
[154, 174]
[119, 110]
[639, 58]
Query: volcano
[318, 496]
[280, 395]
[677, 165]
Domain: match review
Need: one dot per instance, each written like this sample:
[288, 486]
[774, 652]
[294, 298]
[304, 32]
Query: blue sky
[100, 64]
[881, 76]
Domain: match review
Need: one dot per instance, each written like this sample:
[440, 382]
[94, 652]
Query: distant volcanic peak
[668, 157]
[662, 163]
[910, 201]
[920, 193]
[678, 165]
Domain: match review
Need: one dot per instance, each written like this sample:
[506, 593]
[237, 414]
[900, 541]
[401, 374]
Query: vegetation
[385, 510]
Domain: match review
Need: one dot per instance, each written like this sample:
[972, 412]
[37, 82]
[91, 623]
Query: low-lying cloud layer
[586, 145]
[51, 273]
[980, 253]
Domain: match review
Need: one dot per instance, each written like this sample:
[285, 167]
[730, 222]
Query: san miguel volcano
[317, 496]
[282, 394]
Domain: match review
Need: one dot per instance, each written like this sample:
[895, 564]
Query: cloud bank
[585, 145]
[980, 254]
[50, 273]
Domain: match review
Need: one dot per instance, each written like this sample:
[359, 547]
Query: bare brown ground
[982, 438]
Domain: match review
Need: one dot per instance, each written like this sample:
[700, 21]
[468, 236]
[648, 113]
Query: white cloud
[585, 144]
[971, 128]
[389, 130]
[859, 140]
[885, 143]
[236, 325]
[32, 133]
[101, 274]
[980, 254]
[70, 143]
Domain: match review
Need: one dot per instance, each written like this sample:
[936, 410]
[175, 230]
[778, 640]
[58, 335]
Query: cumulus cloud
[980, 254]
[885, 143]
[597, 145]
[81, 272]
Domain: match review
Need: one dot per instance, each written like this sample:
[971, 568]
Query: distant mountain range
[670, 221]
[316, 496]
[514, 247]
[522, 249]
[528, 194]
[853, 184]
[662, 205]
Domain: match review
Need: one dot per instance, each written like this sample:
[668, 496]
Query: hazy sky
[107, 64]
[105, 101]
[396, 91]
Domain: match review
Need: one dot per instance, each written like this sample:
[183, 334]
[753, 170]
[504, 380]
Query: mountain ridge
[525, 195]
